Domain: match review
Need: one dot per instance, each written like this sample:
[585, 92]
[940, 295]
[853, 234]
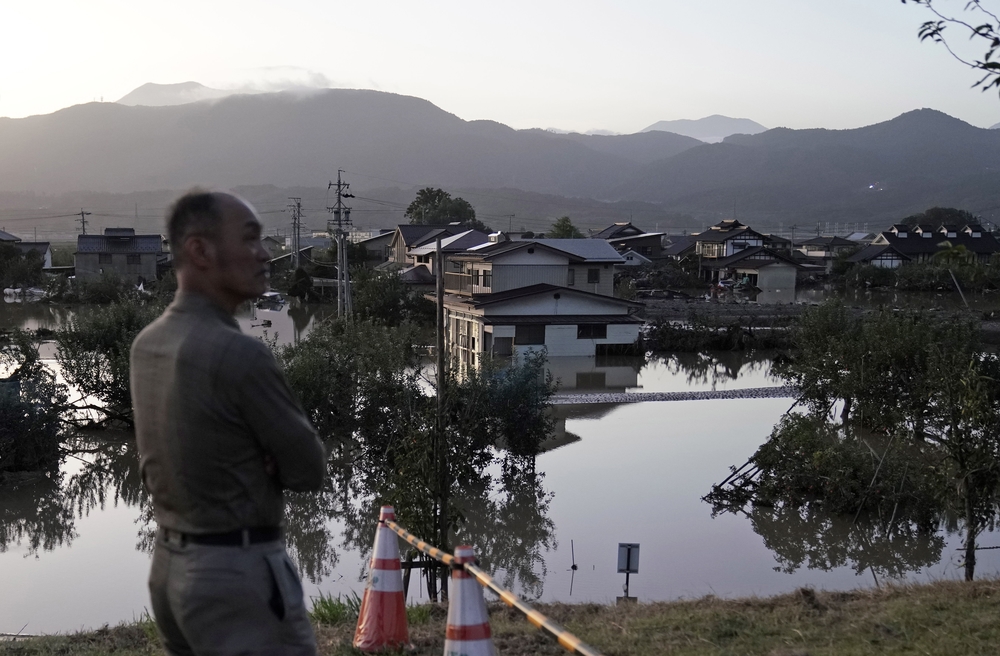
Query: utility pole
[440, 443]
[341, 214]
[510, 224]
[295, 207]
[83, 220]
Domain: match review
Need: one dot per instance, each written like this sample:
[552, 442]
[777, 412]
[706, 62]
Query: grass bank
[941, 618]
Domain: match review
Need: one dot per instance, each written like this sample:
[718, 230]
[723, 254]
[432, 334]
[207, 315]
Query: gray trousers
[221, 601]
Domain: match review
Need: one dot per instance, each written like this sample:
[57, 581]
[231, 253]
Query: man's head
[215, 240]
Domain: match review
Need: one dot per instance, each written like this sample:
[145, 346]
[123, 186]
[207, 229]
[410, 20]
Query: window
[475, 277]
[591, 331]
[528, 334]
[104, 258]
[487, 279]
[503, 346]
[571, 277]
[593, 276]
[133, 259]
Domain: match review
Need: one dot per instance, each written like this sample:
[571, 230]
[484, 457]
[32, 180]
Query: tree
[436, 206]
[563, 228]
[935, 216]
[923, 441]
[988, 31]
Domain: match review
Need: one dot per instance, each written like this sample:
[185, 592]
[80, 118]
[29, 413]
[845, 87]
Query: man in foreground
[220, 436]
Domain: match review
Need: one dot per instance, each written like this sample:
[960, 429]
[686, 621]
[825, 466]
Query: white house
[506, 297]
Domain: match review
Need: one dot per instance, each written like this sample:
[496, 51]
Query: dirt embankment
[946, 618]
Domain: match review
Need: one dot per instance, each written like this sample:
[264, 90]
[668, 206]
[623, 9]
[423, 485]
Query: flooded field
[74, 551]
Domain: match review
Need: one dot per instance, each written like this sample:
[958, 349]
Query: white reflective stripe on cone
[382, 581]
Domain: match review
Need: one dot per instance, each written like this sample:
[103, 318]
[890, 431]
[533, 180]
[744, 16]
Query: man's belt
[237, 538]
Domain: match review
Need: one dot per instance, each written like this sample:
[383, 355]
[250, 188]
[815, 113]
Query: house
[722, 241]
[922, 242]
[625, 236]
[379, 247]
[562, 320]
[633, 259]
[825, 250]
[119, 250]
[883, 256]
[284, 262]
[273, 245]
[408, 235]
[7, 238]
[43, 248]
[678, 247]
[426, 252]
[779, 244]
[772, 272]
[505, 297]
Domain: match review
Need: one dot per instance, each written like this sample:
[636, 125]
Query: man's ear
[199, 251]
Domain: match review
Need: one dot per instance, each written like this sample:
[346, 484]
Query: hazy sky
[570, 64]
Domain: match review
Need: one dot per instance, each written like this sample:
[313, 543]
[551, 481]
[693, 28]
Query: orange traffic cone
[468, 631]
[382, 620]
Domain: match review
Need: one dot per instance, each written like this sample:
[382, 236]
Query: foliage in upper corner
[985, 33]
[437, 207]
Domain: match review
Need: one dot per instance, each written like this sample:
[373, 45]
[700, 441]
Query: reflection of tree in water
[510, 529]
[716, 366]
[34, 513]
[505, 518]
[807, 535]
[41, 512]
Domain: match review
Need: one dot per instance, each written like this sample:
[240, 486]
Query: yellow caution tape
[567, 640]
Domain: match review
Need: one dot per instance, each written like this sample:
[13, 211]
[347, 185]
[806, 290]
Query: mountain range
[711, 129]
[877, 173]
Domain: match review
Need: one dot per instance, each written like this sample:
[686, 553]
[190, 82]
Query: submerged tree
[922, 441]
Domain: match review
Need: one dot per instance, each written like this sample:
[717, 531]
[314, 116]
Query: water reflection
[714, 368]
[34, 514]
[505, 514]
[807, 536]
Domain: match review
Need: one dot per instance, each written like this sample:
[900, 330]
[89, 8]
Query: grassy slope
[943, 618]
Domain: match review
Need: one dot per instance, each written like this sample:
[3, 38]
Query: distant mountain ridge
[881, 172]
[995, 127]
[711, 129]
[163, 95]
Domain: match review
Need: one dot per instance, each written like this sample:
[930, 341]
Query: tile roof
[772, 257]
[677, 244]
[987, 244]
[828, 241]
[111, 244]
[452, 243]
[415, 232]
[869, 253]
[615, 230]
[726, 235]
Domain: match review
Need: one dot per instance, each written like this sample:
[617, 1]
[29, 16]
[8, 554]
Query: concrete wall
[89, 267]
[776, 276]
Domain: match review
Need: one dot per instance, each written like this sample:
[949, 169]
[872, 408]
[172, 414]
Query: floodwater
[73, 551]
